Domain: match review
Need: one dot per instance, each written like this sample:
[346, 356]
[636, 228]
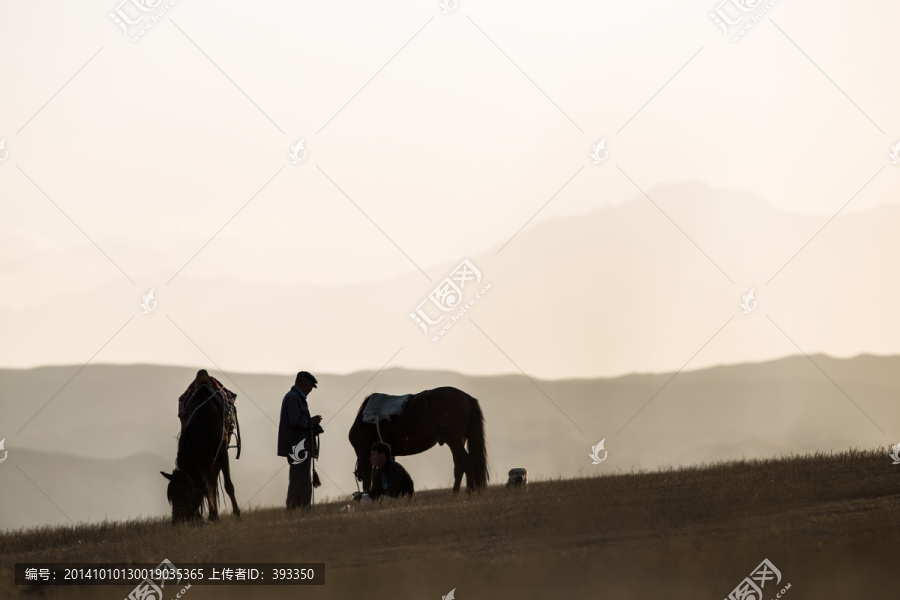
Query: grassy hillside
[829, 522]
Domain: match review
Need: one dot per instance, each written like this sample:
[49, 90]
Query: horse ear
[166, 475]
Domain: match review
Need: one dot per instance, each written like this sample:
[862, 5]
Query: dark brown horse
[202, 455]
[443, 415]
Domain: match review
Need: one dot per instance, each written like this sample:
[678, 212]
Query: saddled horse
[443, 415]
[202, 455]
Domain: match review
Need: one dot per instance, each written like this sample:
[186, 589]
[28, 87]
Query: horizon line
[365, 371]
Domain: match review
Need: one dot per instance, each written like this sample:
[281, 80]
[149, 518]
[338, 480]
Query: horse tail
[476, 445]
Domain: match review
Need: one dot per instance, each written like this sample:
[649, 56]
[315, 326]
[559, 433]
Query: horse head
[184, 497]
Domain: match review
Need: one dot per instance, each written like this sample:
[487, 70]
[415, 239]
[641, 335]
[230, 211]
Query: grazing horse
[443, 415]
[202, 455]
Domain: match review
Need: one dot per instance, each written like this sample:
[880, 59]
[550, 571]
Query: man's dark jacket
[295, 423]
[398, 481]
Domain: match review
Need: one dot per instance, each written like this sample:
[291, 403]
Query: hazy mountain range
[96, 448]
[617, 290]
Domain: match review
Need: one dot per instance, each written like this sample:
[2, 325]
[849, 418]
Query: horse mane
[202, 437]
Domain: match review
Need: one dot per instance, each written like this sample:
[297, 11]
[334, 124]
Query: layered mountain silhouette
[647, 285]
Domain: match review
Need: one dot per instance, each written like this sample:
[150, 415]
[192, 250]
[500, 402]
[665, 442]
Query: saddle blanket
[382, 406]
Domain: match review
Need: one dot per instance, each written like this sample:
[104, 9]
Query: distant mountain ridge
[619, 289]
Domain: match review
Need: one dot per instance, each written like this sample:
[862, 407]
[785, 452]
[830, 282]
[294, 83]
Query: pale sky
[447, 133]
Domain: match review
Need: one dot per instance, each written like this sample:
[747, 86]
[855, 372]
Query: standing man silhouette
[296, 432]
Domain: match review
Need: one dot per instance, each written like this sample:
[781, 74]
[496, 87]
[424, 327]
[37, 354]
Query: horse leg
[460, 464]
[212, 500]
[229, 487]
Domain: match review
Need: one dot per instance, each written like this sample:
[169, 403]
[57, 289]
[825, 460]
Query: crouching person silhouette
[389, 478]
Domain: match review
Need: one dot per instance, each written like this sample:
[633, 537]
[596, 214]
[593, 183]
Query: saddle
[383, 406]
[230, 418]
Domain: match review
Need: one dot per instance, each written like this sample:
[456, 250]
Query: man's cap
[307, 376]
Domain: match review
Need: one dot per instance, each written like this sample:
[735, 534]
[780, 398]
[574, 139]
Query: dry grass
[829, 522]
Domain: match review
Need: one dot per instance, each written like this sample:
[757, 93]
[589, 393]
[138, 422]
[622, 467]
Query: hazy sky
[431, 137]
